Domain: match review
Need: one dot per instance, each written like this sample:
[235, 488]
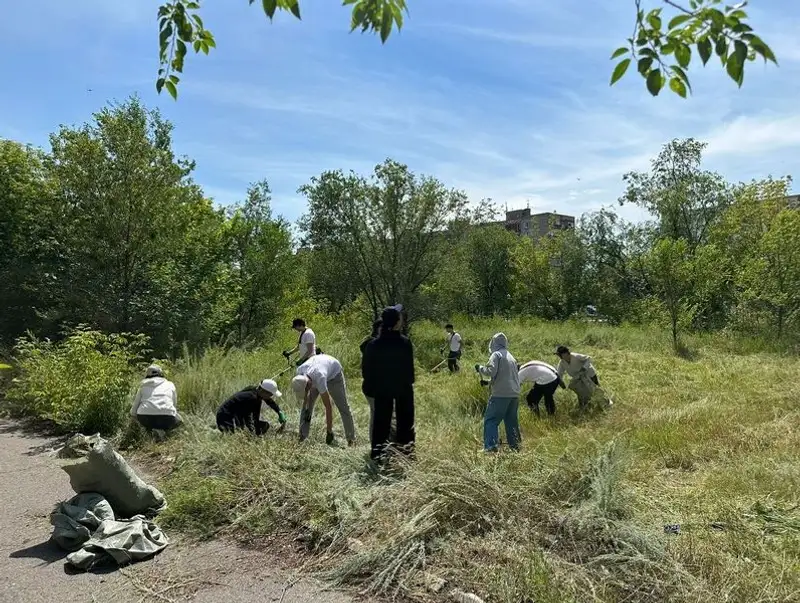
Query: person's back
[388, 366]
[242, 404]
[157, 397]
[537, 371]
[502, 369]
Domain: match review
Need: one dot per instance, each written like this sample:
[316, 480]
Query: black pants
[452, 361]
[543, 391]
[595, 381]
[229, 423]
[403, 407]
[161, 422]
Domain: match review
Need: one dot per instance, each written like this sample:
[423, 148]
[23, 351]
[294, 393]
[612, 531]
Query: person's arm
[288, 353]
[490, 370]
[410, 363]
[137, 400]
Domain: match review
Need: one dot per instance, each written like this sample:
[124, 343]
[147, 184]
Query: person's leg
[535, 397]
[381, 426]
[225, 423]
[452, 363]
[406, 432]
[511, 420]
[549, 400]
[306, 413]
[495, 411]
[338, 389]
[371, 403]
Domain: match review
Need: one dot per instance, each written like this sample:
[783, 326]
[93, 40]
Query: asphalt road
[32, 568]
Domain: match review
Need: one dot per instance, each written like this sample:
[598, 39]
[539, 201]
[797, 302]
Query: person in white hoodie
[155, 406]
[545, 381]
[503, 375]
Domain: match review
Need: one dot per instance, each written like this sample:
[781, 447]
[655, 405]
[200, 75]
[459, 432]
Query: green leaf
[761, 48]
[295, 9]
[620, 70]
[648, 52]
[735, 68]
[196, 45]
[159, 84]
[386, 23]
[704, 50]
[655, 82]
[270, 6]
[678, 87]
[172, 89]
[721, 47]
[678, 20]
[644, 66]
[619, 52]
[683, 54]
[682, 75]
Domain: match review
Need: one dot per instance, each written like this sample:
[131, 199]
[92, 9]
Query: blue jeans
[505, 410]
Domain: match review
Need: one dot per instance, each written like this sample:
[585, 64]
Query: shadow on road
[46, 551]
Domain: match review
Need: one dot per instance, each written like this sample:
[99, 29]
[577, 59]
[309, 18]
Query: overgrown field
[709, 443]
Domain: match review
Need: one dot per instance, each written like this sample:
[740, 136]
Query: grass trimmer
[438, 366]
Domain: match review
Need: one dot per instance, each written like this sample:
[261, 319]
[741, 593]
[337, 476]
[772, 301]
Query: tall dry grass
[710, 442]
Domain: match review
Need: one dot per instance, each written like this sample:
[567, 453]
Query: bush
[82, 383]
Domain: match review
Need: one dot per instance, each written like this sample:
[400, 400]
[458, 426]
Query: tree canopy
[665, 39]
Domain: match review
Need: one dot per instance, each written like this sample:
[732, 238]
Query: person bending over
[243, 409]
[545, 381]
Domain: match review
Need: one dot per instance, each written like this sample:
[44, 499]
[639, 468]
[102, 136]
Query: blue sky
[511, 102]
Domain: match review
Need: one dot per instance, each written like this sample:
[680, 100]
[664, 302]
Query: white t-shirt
[576, 364]
[156, 396]
[307, 337]
[455, 342]
[537, 372]
[321, 368]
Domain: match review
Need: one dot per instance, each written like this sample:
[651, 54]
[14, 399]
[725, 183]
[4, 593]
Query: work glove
[484, 382]
[299, 362]
[285, 354]
[282, 417]
[441, 351]
[477, 368]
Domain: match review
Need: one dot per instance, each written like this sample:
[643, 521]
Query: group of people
[388, 376]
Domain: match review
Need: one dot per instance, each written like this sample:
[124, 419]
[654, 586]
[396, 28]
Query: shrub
[82, 383]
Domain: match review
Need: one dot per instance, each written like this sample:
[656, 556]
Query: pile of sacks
[109, 520]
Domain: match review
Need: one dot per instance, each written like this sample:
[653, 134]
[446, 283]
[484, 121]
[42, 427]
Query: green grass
[711, 443]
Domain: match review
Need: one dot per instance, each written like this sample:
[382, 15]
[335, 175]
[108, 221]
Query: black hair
[448, 326]
[298, 322]
[562, 349]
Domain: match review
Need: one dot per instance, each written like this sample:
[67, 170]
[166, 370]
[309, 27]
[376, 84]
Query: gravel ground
[32, 568]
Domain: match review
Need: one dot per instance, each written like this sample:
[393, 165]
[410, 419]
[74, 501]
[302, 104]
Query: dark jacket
[363, 348]
[243, 409]
[388, 366]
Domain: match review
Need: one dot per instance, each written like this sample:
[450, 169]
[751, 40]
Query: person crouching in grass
[243, 409]
[155, 406]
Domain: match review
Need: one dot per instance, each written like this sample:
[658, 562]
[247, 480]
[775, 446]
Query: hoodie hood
[498, 342]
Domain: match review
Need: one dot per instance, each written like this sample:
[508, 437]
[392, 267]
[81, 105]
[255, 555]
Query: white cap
[268, 385]
[299, 385]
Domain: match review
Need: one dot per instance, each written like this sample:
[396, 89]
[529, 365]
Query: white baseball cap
[268, 385]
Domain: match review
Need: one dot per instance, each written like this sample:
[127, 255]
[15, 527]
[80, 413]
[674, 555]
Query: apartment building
[524, 223]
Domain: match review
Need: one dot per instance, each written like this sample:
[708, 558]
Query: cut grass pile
[711, 444]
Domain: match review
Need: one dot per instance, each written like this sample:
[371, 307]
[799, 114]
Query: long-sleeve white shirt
[576, 364]
[156, 396]
[537, 372]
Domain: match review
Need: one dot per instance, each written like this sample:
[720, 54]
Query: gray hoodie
[501, 369]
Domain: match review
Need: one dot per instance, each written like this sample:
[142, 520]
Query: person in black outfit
[243, 409]
[388, 371]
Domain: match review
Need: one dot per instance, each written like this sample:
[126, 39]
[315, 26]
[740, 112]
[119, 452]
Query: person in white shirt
[583, 376]
[322, 376]
[306, 345]
[545, 381]
[155, 406]
[454, 345]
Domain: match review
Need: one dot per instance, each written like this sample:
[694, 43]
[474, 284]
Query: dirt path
[32, 568]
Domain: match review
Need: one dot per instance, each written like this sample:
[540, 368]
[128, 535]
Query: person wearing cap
[388, 372]
[155, 406]
[306, 345]
[243, 409]
[503, 374]
[583, 376]
[454, 345]
[322, 376]
[545, 381]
